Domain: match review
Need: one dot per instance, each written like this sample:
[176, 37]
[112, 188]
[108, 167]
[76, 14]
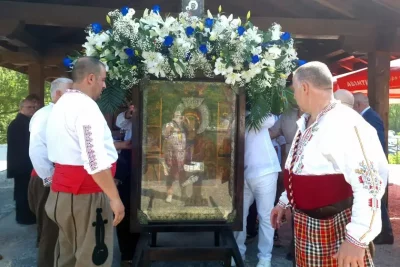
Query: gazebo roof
[339, 32]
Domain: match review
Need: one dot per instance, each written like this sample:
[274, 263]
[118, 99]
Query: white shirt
[78, 134]
[339, 142]
[260, 157]
[38, 143]
[124, 124]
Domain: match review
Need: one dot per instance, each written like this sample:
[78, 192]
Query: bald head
[361, 102]
[86, 66]
[315, 73]
[345, 97]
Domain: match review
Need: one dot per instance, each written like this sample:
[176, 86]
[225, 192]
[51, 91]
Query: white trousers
[263, 190]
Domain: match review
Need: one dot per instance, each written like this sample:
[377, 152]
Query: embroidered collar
[302, 122]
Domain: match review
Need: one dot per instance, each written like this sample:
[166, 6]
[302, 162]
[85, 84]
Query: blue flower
[285, 36]
[168, 41]
[241, 30]
[189, 31]
[68, 62]
[156, 9]
[255, 59]
[209, 22]
[96, 27]
[203, 49]
[188, 56]
[124, 10]
[129, 52]
[301, 62]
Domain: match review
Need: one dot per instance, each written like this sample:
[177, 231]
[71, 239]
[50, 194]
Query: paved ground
[17, 243]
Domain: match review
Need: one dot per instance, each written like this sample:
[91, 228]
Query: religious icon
[192, 125]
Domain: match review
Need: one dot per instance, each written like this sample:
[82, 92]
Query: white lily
[276, 32]
[256, 50]
[89, 49]
[252, 35]
[275, 52]
[233, 78]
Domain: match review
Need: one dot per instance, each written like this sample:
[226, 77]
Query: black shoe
[386, 239]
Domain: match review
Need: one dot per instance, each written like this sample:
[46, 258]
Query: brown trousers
[86, 232]
[47, 230]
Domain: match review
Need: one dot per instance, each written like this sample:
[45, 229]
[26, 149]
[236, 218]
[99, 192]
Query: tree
[13, 89]
[394, 117]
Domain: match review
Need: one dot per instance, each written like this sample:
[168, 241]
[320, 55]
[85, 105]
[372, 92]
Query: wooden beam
[325, 27]
[36, 81]
[389, 4]
[335, 53]
[343, 7]
[293, 7]
[16, 39]
[84, 15]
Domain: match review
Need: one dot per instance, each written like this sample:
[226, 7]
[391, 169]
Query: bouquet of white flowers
[172, 48]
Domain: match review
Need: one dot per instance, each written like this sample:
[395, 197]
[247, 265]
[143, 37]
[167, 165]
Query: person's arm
[90, 130]
[38, 149]
[276, 130]
[358, 154]
[123, 145]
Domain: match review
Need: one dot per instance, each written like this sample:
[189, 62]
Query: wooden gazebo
[346, 34]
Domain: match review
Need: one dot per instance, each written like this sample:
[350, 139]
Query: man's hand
[118, 209]
[129, 112]
[123, 145]
[277, 216]
[350, 255]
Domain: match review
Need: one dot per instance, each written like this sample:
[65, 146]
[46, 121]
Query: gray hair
[361, 98]
[315, 73]
[56, 85]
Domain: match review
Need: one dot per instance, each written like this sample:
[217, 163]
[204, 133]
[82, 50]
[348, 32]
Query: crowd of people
[323, 159]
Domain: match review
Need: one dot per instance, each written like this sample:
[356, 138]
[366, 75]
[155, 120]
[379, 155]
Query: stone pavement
[17, 243]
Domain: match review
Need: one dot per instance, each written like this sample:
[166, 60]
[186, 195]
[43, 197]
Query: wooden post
[378, 86]
[36, 81]
[378, 92]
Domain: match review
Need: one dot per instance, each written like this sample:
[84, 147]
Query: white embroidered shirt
[340, 141]
[78, 134]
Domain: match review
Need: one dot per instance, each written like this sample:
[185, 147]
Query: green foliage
[394, 158]
[13, 89]
[394, 117]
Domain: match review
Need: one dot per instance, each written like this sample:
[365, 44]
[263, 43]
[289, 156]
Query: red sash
[317, 191]
[34, 173]
[75, 180]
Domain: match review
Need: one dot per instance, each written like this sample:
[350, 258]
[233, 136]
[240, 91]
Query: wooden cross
[193, 7]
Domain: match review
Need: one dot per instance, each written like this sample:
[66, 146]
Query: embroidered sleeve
[90, 130]
[123, 123]
[358, 154]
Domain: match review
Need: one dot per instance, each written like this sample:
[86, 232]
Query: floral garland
[173, 48]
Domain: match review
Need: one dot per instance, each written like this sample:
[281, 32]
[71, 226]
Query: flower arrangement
[172, 48]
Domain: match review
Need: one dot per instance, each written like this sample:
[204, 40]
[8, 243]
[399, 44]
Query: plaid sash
[316, 241]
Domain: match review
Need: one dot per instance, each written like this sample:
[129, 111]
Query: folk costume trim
[306, 137]
[369, 178]
[87, 131]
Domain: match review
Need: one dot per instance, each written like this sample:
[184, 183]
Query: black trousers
[24, 215]
[127, 241]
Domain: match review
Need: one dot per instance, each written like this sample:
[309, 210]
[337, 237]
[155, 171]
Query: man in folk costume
[83, 194]
[39, 185]
[19, 165]
[335, 176]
